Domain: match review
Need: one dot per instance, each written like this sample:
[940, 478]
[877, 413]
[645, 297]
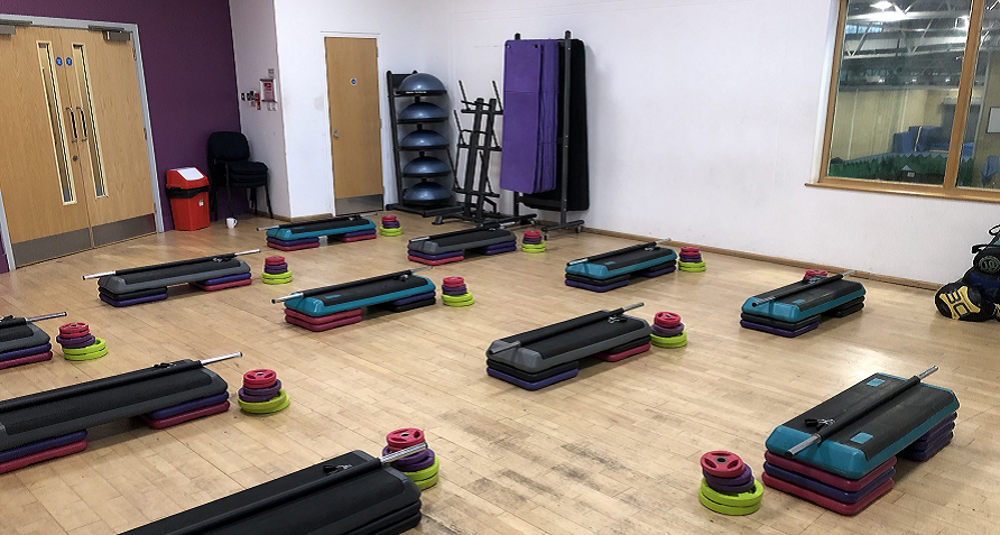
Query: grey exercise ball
[423, 140]
[421, 83]
[422, 112]
[426, 193]
[426, 166]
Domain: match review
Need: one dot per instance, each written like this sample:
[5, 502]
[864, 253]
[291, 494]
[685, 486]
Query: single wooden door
[42, 192]
[113, 159]
[355, 125]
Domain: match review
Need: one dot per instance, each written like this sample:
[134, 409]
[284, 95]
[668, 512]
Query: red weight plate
[453, 282]
[71, 336]
[532, 234]
[320, 327]
[810, 273]
[187, 416]
[274, 260]
[722, 464]
[45, 455]
[667, 319]
[401, 439]
[690, 250]
[73, 329]
[371, 236]
[389, 217]
[223, 286]
[435, 262]
[259, 378]
[290, 248]
[322, 320]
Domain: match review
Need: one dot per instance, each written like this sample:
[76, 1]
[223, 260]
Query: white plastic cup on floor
[231, 222]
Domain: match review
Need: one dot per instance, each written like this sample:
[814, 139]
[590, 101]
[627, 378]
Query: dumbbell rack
[482, 143]
[393, 81]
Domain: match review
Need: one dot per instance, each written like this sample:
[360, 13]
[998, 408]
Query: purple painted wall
[187, 56]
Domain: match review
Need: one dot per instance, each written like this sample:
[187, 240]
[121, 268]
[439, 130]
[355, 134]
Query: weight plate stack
[78, 343]
[532, 242]
[422, 467]
[455, 293]
[668, 331]
[728, 486]
[262, 393]
[390, 226]
[691, 260]
[276, 271]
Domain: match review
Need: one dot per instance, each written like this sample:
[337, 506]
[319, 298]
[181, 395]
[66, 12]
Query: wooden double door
[74, 167]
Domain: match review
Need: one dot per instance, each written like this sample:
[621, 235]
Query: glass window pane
[89, 120]
[897, 89]
[982, 129]
[49, 85]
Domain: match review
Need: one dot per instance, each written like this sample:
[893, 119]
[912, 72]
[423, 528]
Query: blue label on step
[861, 438]
[59, 61]
[69, 61]
[875, 382]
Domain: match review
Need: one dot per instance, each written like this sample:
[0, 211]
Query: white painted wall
[256, 49]
[412, 35]
[706, 119]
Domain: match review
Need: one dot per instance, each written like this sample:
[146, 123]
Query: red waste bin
[187, 189]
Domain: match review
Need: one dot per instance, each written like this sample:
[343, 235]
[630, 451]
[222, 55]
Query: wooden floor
[612, 451]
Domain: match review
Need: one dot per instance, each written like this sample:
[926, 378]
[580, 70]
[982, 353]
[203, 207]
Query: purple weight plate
[412, 299]
[692, 259]
[41, 445]
[774, 330]
[391, 224]
[291, 243]
[935, 444]
[441, 256]
[76, 343]
[253, 399]
[25, 352]
[529, 241]
[413, 463]
[947, 422]
[503, 248]
[739, 480]
[537, 384]
[599, 289]
[455, 290]
[270, 391]
[923, 442]
[136, 301]
[730, 489]
[667, 331]
[223, 280]
[181, 408]
[276, 269]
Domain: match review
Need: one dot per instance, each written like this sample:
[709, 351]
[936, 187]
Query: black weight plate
[768, 322]
[597, 282]
[532, 377]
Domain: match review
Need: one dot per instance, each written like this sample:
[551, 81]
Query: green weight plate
[425, 484]
[533, 252]
[273, 276]
[669, 342]
[462, 304]
[689, 265]
[88, 356]
[533, 246]
[693, 270]
[391, 232]
[275, 404]
[277, 281]
[98, 346]
[725, 509]
[749, 498]
[426, 473]
[456, 299]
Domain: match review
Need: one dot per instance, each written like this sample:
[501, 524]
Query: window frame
[949, 189]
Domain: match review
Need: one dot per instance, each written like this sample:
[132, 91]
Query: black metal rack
[393, 81]
[567, 100]
[477, 190]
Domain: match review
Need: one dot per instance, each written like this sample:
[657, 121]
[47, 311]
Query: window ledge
[919, 190]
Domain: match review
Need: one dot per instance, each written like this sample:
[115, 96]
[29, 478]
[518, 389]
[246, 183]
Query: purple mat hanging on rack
[531, 115]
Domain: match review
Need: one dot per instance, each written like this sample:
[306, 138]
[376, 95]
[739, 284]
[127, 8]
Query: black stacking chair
[230, 166]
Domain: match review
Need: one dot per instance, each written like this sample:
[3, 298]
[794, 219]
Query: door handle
[83, 123]
[335, 134]
[72, 118]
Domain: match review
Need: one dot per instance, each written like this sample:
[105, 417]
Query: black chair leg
[267, 196]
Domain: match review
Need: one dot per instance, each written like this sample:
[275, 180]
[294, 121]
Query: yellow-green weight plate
[88, 356]
[456, 299]
[533, 245]
[726, 509]
[273, 276]
[425, 484]
[426, 473]
[391, 232]
[279, 281]
[84, 352]
[690, 265]
[749, 498]
[275, 404]
[669, 342]
[692, 270]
